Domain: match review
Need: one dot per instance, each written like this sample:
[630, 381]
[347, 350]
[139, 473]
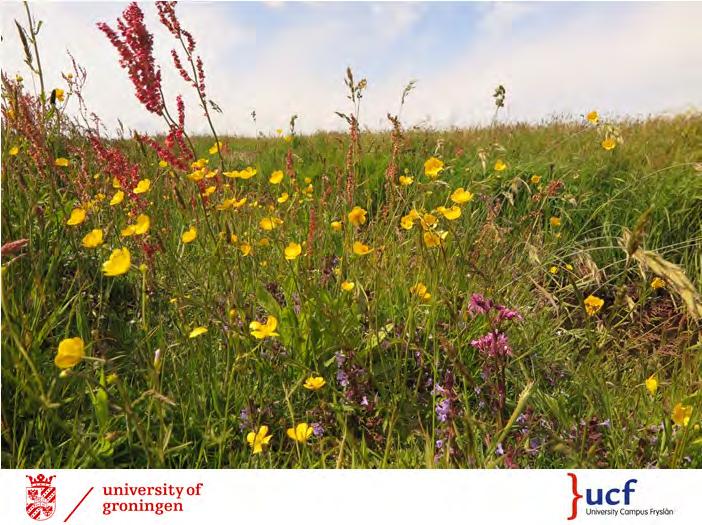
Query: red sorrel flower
[135, 47]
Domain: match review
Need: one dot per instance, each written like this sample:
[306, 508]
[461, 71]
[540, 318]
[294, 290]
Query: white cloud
[641, 59]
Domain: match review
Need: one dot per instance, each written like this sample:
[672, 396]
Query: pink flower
[493, 344]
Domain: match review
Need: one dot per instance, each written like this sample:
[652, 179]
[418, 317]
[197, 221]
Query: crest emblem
[41, 498]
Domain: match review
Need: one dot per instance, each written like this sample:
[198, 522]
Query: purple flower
[317, 429]
[534, 443]
[438, 390]
[364, 401]
[343, 378]
[439, 444]
[443, 408]
[479, 304]
[508, 314]
[493, 344]
[499, 451]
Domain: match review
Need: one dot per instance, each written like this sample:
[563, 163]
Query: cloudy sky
[281, 59]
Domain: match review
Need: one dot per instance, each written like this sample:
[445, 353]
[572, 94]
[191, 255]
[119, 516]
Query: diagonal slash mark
[79, 503]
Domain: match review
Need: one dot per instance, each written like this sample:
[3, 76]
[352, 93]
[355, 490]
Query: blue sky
[280, 58]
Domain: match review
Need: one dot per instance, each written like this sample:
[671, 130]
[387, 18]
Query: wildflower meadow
[506, 296]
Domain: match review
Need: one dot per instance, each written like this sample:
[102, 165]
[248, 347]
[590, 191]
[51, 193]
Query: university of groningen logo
[41, 498]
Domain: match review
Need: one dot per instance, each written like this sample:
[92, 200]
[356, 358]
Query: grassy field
[510, 296]
[400, 370]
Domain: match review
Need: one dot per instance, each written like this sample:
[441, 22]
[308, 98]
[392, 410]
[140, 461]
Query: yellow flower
[231, 203]
[197, 175]
[593, 117]
[500, 165]
[247, 173]
[189, 236]
[115, 183]
[261, 331]
[593, 304]
[406, 181]
[257, 439]
[142, 224]
[428, 221]
[433, 239]
[535, 179]
[407, 222]
[336, 226]
[128, 231]
[279, 131]
[276, 177]
[357, 216]
[681, 414]
[555, 221]
[61, 162]
[314, 383]
[118, 263]
[209, 190]
[14, 150]
[245, 248]
[269, 223]
[292, 251]
[461, 196]
[283, 197]
[117, 198]
[59, 94]
[300, 433]
[215, 148]
[420, 290]
[197, 331]
[553, 270]
[657, 283]
[162, 164]
[569, 267]
[361, 249]
[450, 214]
[142, 186]
[70, 352]
[348, 286]
[288, 138]
[93, 239]
[609, 143]
[432, 167]
[652, 385]
[77, 217]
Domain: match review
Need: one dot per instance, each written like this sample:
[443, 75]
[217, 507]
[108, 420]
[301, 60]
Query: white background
[316, 497]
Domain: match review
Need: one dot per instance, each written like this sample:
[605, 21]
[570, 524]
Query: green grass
[583, 404]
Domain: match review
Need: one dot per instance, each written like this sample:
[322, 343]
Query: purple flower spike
[479, 304]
